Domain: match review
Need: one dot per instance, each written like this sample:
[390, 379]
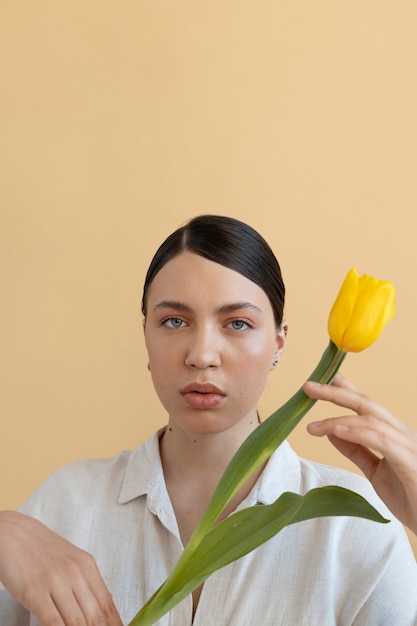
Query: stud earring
[149, 366]
[275, 363]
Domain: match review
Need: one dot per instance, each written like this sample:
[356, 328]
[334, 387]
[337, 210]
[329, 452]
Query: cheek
[261, 350]
[164, 362]
[159, 351]
[252, 367]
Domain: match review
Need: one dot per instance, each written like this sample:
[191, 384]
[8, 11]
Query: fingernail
[313, 383]
[341, 428]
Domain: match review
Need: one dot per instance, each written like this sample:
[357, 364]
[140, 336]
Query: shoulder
[84, 475]
[314, 474]
[291, 472]
[376, 545]
[286, 471]
[89, 485]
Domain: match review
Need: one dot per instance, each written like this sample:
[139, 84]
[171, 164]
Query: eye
[239, 325]
[173, 322]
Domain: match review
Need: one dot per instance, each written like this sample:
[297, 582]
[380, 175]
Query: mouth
[203, 395]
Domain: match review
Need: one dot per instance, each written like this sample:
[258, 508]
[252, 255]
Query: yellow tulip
[363, 307]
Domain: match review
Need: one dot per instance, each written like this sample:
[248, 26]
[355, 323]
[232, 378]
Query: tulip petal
[361, 311]
[342, 309]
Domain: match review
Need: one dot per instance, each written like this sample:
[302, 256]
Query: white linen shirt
[329, 571]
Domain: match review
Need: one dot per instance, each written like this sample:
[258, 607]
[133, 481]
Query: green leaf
[247, 529]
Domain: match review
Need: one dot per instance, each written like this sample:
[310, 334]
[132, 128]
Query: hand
[59, 583]
[394, 476]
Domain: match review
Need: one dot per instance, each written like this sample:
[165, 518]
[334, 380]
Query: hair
[231, 243]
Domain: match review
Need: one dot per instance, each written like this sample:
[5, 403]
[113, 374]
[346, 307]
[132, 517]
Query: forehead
[192, 278]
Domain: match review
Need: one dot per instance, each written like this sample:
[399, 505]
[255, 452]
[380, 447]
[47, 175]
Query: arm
[372, 427]
[59, 583]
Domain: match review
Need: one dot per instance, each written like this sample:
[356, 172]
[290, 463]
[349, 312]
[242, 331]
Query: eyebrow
[235, 306]
[177, 305]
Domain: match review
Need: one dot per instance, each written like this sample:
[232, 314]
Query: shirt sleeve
[11, 612]
[393, 594]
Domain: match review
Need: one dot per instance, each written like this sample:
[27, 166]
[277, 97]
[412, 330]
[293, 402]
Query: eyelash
[166, 321]
[247, 325]
[244, 324]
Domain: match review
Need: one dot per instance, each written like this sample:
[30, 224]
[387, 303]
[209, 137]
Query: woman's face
[211, 339]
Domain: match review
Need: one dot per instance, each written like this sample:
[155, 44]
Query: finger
[45, 610]
[81, 607]
[341, 381]
[338, 392]
[68, 609]
[80, 598]
[95, 599]
[60, 607]
[98, 607]
[346, 396]
[338, 381]
[393, 440]
[363, 458]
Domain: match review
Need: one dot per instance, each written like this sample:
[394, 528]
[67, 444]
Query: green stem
[254, 451]
[262, 442]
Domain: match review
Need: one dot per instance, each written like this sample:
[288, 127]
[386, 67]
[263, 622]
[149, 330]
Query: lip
[202, 388]
[203, 395]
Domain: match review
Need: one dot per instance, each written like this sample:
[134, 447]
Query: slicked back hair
[231, 243]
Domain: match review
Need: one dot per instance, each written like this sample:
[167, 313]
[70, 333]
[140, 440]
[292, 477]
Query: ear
[281, 340]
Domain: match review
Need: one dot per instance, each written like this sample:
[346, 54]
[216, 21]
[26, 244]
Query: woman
[213, 323]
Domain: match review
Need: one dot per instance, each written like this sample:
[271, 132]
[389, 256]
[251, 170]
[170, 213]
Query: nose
[203, 349]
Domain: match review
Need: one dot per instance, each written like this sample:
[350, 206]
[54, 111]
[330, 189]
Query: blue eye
[173, 322]
[240, 325]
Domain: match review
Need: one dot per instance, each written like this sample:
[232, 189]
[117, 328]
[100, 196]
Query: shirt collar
[144, 462]
[282, 473]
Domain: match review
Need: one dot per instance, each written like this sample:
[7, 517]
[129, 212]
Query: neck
[189, 454]
[193, 465]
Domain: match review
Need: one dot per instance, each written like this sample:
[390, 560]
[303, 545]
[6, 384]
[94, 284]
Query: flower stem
[254, 451]
[260, 444]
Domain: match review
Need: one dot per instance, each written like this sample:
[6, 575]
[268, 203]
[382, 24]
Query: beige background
[119, 121]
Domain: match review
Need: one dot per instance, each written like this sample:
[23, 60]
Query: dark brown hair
[229, 242]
